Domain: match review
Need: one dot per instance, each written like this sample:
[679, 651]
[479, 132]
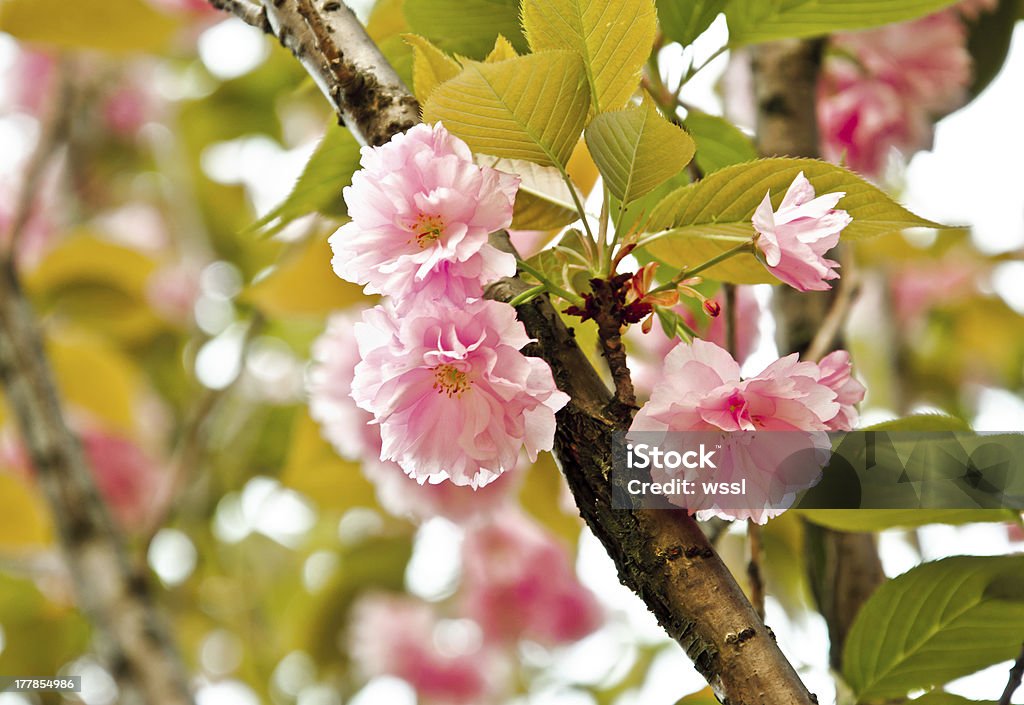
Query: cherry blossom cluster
[881, 89]
[440, 372]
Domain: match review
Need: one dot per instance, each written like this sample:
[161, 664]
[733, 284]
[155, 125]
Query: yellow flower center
[427, 229]
[451, 381]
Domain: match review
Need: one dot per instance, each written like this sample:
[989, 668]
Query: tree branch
[662, 555]
[131, 639]
[1016, 675]
[250, 13]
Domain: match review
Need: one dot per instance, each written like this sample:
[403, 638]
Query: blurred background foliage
[181, 281]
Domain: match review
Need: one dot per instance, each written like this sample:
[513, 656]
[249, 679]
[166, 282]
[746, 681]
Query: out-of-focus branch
[54, 133]
[844, 567]
[1016, 675]
[662, 555]
[130, 637]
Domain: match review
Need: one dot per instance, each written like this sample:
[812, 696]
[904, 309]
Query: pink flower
[795, 238]
[702, 390]
[173, 291]
[880, 89]
[421, 214]
[402, 637]
[837, 375]
[454, 397]
[352, 433]
[518, 583]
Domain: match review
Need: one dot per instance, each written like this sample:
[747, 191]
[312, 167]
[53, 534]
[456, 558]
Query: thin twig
[53, 135]
[1016, 675]
[839, 310]
[754, 567]
[251, 14]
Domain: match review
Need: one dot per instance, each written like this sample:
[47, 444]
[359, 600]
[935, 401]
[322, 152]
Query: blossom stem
[745, 246]
[548, 284]
[754, 567]
[528, 294]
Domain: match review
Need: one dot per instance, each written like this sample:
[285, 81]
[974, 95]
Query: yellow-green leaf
[430, 66]
[24, 519]
[502, 50]
[719, 142]
[753, 21]
[614, 37]
[701, 220]
[543, 201]
[304, 284]
[532, 107]
[636, 150]
[684, 20]
[880, 519]
[465, 27]
[108, 25]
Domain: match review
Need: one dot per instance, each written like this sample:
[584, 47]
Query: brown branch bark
[130, 637]
[1016, 675]
[844, 567]
[661, 555]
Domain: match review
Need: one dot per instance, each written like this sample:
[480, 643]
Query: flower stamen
[450, 380]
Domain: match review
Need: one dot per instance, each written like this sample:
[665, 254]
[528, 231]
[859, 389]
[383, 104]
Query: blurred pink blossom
[173, 290]
[454, 397]
[795, 238]
[702, 390]
[519, 583]
[33, 81]
[917, 287]
[881, 88]
[421, 214]
[127, 477]
[403, 637]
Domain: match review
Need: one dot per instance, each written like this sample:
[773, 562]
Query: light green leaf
[532, 107]
[465, 27]
[719, 142]
[988, 42]
[543, 201]
[684, 20]
[939, 698]
[706, 218]
[318, 188]
[614, 37]
[921, 422]
[754, 21]
[939, 621]
[880, 519]
[117, 26]
[636, 150]
[430, 66]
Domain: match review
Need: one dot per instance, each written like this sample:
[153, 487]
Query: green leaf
[719, 142]
[684, 20]
[117, 26]
[543, 201]
[921, 422]
[939, 621]
[531, 107]
[754, 21]
[636, 150]
[502, 50]
[988, 42]
[465, 27]
[614, 37]
[940, 698]
[880, 519]
[706, 218]
[318, 188]
[430, 66]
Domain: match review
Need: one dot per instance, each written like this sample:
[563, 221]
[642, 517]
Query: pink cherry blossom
[421, 214]
[454, 397]
[518, 583]
[880, 89]
[702, 390]
[403, 637]
[352, 433]
[795, 238]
